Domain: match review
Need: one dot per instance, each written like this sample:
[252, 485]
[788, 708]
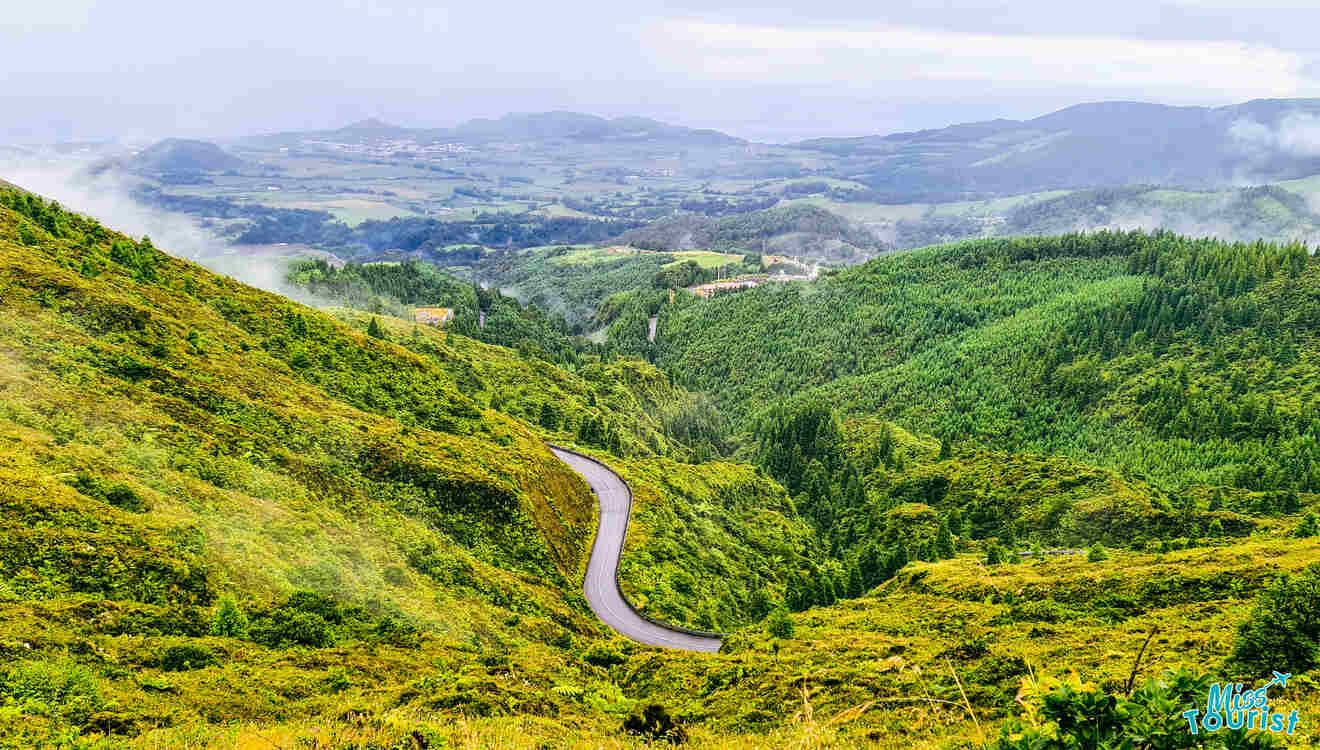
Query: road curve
[601, 586]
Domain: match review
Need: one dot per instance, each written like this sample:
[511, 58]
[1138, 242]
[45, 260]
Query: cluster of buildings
[433, 316]
[384, 148]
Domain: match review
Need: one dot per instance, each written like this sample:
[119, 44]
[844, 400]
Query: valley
[403, 375]
[225, 510]
[558, 430]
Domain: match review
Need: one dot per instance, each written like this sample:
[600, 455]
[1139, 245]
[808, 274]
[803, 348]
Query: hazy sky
[148, 68]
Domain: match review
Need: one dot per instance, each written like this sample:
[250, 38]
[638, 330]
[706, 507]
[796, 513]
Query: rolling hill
[800, 230]
[230, 520]
[176, 442]
[1104, 144]
[178, 155]
[1165, 357]
[544, 127]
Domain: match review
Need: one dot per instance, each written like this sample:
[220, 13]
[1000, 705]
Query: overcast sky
[80, 69]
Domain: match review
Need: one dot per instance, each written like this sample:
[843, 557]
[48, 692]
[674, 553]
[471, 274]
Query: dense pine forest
[1182, 361]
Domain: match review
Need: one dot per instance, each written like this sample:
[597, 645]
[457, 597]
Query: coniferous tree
[229, 620]
[1309, 527]
[779, 624]
[549, 418]
[855, 585]
[1009, 540]
[374, 330]
[944, 541]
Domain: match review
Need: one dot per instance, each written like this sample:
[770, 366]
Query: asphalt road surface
[600, 586]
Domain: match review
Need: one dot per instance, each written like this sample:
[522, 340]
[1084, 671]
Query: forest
[1167, 370]
[395, 288]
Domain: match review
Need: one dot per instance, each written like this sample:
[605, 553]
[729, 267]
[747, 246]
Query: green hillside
[230, 520]
[1179, 360]
[799, 229]
[179, 446]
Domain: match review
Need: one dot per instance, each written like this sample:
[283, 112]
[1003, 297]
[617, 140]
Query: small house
[433, 316]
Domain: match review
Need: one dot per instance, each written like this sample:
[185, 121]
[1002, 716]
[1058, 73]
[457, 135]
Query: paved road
[600, 585]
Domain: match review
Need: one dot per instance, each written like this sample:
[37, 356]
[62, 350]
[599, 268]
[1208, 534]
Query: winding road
[601, 585]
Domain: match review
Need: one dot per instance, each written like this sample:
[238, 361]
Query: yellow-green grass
[704, 258]
[354, 211]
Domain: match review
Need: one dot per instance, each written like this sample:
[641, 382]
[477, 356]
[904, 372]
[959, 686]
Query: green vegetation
[396, 288]
[700, 541]
[1071, 713]
[230, 520]
[1194, 347]
[1270, 212]
[799, 229]
[1284, 627]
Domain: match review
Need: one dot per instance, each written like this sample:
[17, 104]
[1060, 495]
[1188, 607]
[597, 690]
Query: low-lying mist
[106, 196]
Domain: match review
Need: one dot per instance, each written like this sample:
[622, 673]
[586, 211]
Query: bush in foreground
[1069, 713]
[1283, 631]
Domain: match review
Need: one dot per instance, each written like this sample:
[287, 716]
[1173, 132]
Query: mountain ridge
[548, 125]
[1094, 144]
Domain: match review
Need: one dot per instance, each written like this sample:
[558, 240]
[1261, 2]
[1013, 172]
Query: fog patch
[1263, 149]
[107, 197]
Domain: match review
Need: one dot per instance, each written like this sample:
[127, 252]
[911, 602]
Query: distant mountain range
[542, 126]
[1092, 145]
[1098, 145]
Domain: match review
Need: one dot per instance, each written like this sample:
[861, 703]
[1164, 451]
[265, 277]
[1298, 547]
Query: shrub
[396, 632]
[655, 725]
[1283, 631]
[1039, 610]
[317, 604]
[1309, 527]
[603, 656]
[229, 620]
[117, 494]
[186, 657]
[1066, 714]
[284, 627]
[779, 624]
[1097, 553]
[58, 688]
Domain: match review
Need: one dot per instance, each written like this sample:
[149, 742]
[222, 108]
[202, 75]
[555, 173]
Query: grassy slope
[146, 470]
[703, 537]
[258, 447]
[251, 392]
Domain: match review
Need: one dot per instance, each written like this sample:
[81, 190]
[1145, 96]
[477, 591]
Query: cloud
[866, 55]
[89, 69]
[1296, 135]
[107, 199]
